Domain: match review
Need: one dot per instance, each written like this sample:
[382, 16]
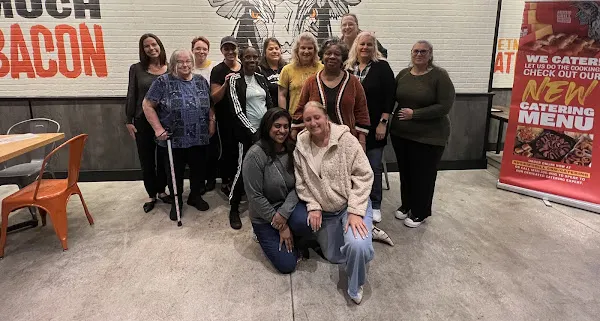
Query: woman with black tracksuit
[250, 100]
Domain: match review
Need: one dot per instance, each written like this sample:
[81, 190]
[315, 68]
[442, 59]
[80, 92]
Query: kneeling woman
[333, 181]
[269, 182]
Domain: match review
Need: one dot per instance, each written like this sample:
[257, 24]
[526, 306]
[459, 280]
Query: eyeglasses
[422, 52]
[181, 62]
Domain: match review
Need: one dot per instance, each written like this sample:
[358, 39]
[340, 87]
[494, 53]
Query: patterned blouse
[183, 109]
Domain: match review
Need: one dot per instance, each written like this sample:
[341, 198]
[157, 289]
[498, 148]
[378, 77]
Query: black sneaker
[198, 202]
[226, 189]
[413, 221]
[167, 199]
[401, 213]
[210, 185]
[173, 212]
[234, 219]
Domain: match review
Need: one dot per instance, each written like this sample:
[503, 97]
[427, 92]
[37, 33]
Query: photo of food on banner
[545, 144]
[569, 28]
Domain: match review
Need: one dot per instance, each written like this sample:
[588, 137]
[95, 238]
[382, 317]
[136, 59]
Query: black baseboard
[136, 174]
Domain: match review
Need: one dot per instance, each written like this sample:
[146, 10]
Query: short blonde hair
[376, 55]
[307, 36]
[173, 60]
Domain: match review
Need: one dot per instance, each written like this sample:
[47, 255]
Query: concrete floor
[486, 254]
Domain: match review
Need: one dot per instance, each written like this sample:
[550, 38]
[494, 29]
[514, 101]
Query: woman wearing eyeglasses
[178, 104]
[419, 131]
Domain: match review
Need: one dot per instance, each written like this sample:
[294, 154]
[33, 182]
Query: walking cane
[174, 181]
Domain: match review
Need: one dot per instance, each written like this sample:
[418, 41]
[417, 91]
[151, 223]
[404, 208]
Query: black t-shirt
[272, 80]
[217, 76]
[331, 99]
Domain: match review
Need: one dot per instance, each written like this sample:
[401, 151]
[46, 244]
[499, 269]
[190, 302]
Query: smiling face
[306, 52]
[420, 54]
[229, 52]
[280, 130]
[250, 60]
[151, 48]
[332, 57]
[365, 47]
[349, 27]
[315, 120]
[184, 64]
[273, 52]
[200, 51]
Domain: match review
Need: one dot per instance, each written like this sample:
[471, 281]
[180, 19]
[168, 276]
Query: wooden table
[13, 149]
[501, 116]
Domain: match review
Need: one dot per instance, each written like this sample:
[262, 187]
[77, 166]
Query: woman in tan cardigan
[333, 183]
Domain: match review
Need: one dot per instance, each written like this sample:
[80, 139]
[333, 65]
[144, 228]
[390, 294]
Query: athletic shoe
[376, 216]
[198, 202]
[413, 221]
[254, 237]
[359, 296]
[234, 219]
[401, 213]
[210, 185]
[381, 235]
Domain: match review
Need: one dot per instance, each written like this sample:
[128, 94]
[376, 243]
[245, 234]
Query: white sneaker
[359, 296]
[413, 223]
[401, 215]
[254, 237]
[376, 216]
[381, 235]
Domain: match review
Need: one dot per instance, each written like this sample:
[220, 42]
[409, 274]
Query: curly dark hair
[334, 41]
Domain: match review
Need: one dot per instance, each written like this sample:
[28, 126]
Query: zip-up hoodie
[268, 184]
[346, 175]
[237, 93]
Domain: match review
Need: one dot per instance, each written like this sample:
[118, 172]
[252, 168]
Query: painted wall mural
[283, 19]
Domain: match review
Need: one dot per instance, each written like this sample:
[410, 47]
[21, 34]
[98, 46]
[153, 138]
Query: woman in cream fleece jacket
[333, 183]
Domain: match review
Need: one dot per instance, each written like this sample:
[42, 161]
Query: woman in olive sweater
[419, 131]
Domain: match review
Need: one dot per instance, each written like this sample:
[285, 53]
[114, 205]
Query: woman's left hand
[380, 131]
[358, 226]
[278, 222]
[405, 114]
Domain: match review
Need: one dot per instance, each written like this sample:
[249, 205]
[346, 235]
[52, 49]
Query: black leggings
[417, 164]
[151, 159]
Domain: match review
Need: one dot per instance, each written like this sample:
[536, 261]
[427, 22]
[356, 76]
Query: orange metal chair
[50, 196]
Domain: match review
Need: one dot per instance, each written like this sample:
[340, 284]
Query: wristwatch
[383, 121]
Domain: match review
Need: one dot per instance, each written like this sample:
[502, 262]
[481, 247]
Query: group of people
[303, 140]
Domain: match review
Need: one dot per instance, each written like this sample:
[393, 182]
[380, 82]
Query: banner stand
[587, 206]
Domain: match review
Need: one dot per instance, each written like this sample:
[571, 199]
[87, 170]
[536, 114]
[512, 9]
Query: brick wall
[461, 31]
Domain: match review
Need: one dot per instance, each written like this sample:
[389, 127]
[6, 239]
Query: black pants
[227, 164]
[213, 164]
[417, 164]
[237, 189]
[194, 157]
[151, 159]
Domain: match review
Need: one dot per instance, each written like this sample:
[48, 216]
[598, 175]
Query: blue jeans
[268, 238]
[339, 247]
[375, 159]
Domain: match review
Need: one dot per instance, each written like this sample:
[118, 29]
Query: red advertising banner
[550, 144]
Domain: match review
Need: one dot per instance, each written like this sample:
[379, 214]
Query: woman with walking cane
[179, 108]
